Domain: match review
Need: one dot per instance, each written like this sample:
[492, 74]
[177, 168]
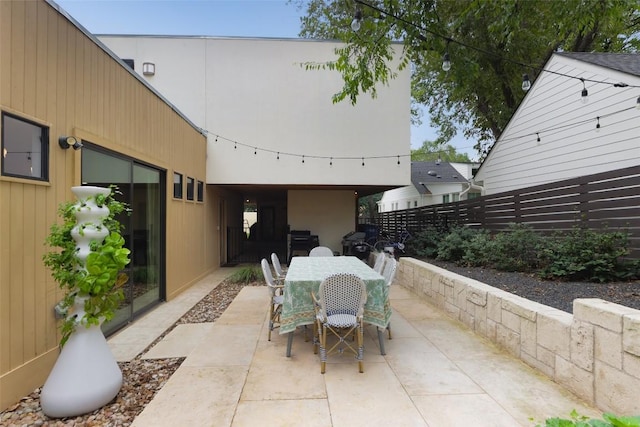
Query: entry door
[142, 188]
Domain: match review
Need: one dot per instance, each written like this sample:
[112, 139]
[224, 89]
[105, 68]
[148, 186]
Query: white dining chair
[276, 297]
[379, 264]
[339, 311]
[277, 267]
[321, 251]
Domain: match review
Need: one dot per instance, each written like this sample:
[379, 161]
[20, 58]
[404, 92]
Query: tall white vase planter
[85, 376]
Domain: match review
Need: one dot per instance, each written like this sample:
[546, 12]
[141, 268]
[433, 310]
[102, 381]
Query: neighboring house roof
[424, 174]
[625, 62]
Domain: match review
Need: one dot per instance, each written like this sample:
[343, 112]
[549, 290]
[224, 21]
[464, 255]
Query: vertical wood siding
[53, 74]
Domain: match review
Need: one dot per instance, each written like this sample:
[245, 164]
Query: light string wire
[303, 157]
[484, 51]
[555, 129]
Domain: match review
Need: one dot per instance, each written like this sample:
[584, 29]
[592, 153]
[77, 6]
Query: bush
[516, 249]
[246, 275]
[454, 245]
[478, 251]
[426, 242]
[577, 420]
[584, 254]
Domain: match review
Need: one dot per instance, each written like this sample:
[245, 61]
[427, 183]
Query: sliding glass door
[142, 188]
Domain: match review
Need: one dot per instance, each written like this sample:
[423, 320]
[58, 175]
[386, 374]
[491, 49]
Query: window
[130, 63]
[177, 185]
[456, 197]
[189, 188]
[408, 204]
[445, 198]
[25, 148]
[415, 203]
[472, 196]
[200, 191]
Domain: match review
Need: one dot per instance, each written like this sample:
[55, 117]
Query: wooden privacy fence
[604, 201]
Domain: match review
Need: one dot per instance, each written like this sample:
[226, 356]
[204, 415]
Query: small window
[129, 62]
[456, 197]
[445, 198]
[408, 204]
[189, 188]
[415, 203]
[200, 191]
[177, 185]
[25, 148]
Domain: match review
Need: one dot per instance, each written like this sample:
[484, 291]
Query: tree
[433, 150]
[491, 44]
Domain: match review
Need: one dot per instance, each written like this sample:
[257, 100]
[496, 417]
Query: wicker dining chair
[275, 294]
[321, 251]
[277, 267]
[339, 312]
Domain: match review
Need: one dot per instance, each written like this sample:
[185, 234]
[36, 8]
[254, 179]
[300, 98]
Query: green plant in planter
[99, 281]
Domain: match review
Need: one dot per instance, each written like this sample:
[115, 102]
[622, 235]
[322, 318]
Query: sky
[231, 18]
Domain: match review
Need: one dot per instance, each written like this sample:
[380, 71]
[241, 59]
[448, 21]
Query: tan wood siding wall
[55, 75]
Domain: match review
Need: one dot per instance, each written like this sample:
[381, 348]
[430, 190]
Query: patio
[436, 372]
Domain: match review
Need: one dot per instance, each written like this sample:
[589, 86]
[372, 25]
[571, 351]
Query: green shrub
[454, 245]
[577, 420]
[584, 254]
[516, 249]
[246, 275]
[478, 250]
[426, 242]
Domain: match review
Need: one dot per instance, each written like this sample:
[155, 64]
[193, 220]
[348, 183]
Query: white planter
[85, 376]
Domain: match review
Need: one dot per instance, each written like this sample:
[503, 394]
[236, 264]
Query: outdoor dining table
[305, 274]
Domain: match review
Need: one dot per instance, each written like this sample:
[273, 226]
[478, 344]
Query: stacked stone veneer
[595, 352]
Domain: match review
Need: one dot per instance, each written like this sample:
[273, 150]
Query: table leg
[289, 341]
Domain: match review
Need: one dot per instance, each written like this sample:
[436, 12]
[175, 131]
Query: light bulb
[446, 62]
[357, 19]
[585, 96]
[526, 83]
[598, 124]
[638, 103]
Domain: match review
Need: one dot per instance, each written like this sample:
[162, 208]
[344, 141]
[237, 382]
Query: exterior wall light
[66, 142]
[148, 68]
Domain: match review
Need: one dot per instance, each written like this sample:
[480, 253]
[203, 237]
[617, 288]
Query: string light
[278, 156]
[598, 124]
[398, 159]
[357, 20]
[446, 60]
[585, 92]
[638, 103]
[526, 83]
[538, 135]
[566, 125]
[331, 161]
[303, 159]
[255, 150]
[363, 161]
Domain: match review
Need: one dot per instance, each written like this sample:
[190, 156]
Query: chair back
[389, 271]
[321, 251]
[379, 264]
[276, 265]
[342, 293]
[268, 276]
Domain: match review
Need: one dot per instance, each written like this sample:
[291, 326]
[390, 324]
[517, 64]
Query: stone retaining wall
[595, 352]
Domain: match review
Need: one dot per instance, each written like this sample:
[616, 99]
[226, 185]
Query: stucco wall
[329, 214]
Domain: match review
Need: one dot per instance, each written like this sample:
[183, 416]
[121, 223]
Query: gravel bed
[142, 379]
[555, 294]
